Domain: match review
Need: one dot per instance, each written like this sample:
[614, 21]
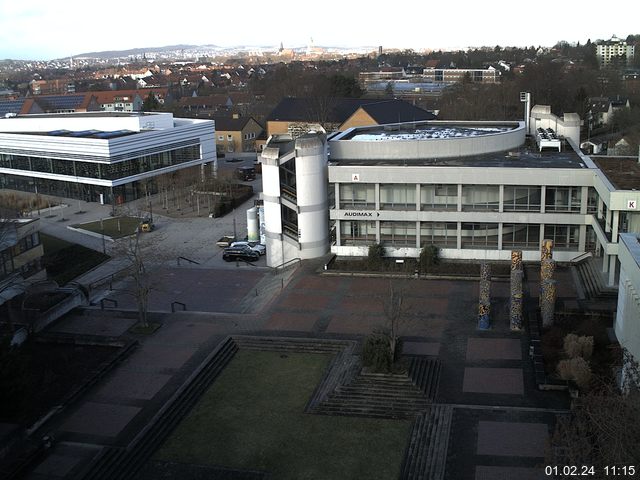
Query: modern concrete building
[294, 182]
[20, 256]
[627, 324]
[614, 50]
[477, 190]
[106, 157]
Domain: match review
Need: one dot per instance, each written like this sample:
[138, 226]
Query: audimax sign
[358, 213]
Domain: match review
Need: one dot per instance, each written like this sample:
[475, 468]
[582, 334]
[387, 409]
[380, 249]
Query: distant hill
[139, 51]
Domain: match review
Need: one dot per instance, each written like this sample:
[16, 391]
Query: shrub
[578, 346]
[571, 346]
[576, 370]
[586, 347]
[376, 353]
[429, 256]
[375, 258]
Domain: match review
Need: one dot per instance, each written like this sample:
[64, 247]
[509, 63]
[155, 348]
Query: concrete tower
[294, 177]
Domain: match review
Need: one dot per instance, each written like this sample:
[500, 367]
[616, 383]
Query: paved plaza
[501, 421]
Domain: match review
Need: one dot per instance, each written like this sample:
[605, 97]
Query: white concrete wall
[627, 323]
[86, 121]
[568, 126]
[313, 211]
[399, 150]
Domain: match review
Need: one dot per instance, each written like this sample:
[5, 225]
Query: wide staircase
[426, 454]
[384, 395]
[593, 280]
[115, 463]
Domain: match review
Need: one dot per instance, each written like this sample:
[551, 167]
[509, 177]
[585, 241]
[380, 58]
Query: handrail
[187, 259]
[581, 257]
[173, 306]
[109, 277]
[286, 264]
[113, 302]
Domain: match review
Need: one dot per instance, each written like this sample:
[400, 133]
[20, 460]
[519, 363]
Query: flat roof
[426, 131]
[622, 172]
[525, 156]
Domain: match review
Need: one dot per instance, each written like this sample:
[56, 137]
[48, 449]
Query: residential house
[296, 115]
[78, 103]
[602, 109]
[614, 50]
[128, 100]
[236, 134]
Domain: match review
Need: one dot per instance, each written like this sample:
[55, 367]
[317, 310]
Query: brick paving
[484, 472]
[478, 368]
[514, 439]
[100, 419]
[292, 321]
[421, 348]
[493, 380]
[494, 349]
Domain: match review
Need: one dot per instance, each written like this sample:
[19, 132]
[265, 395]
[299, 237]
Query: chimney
[525, 97]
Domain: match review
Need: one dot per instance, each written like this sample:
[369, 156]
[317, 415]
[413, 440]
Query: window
[398, 197]
[521, 198]
[439, 234]
[357, 196]
[438, 197]
[479, 235]
[480, 197]
[562, 199]
[357, 233]
[520, 235]
[221, 138]
[565, 237]
[398, 234]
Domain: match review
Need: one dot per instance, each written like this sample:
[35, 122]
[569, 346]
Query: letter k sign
[632, 204]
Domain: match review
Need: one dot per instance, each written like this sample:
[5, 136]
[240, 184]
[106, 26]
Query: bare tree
[140, 276]
[602, 428]
[395, 311]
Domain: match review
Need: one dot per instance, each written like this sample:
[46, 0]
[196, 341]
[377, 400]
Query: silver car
[255, 246]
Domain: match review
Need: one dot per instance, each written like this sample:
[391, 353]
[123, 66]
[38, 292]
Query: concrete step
[426, 454]
[302, 345]
[425, 374]
[118, 463]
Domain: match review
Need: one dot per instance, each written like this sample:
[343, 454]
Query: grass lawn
[116, 227]
[252, 418]
[65, 261]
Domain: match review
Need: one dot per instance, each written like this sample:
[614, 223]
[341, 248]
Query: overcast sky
[42, 29]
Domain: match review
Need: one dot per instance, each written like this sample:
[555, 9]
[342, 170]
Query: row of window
[247, 136]
[7, 266]
[106, 171]
[474, 197]
[445, 234]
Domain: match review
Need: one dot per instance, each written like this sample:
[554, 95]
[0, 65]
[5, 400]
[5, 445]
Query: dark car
[243, 252]
[246, 174]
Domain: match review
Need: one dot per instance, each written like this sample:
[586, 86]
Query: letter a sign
[355, 177]
[632, 205]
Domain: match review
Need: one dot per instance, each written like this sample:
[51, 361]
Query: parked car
[225, 241]
[256, 247]
[246, 174]
[243, 252]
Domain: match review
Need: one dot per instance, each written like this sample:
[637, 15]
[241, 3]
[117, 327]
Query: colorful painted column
[515, 311]
[484, 306]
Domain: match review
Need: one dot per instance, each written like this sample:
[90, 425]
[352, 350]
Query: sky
[44, 30]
